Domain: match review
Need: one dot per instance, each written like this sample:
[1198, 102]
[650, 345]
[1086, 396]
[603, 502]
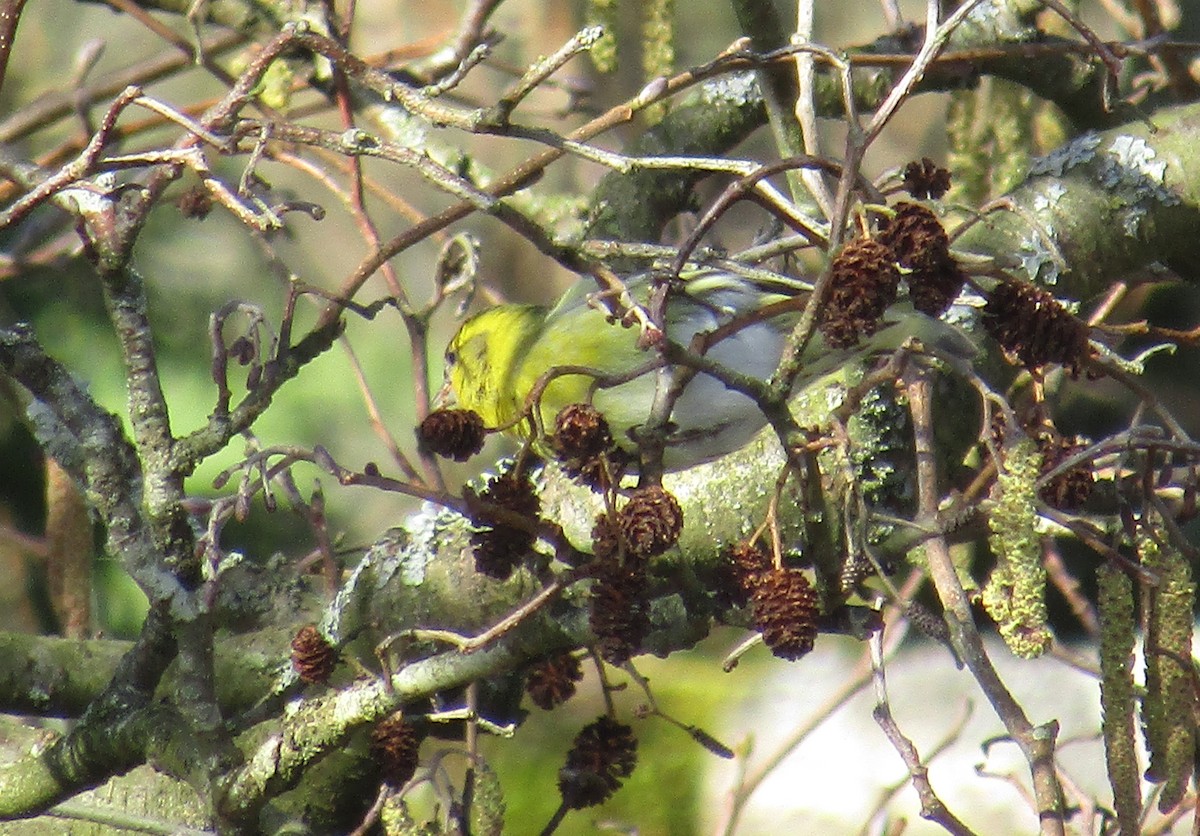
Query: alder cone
[785, 610]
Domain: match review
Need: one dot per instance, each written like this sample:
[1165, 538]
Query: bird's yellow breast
[483, 358]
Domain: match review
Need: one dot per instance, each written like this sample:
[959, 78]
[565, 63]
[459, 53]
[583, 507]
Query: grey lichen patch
[1134, 173]
[735, 88]
[1129, 168]
[1049, 197]
[1077, 152]
[984, 14]
[407, 551]
[426, 530]
[572, 506]
[381, 562]
[1132, 168]
[1131, 221]
[725, 499]
[1038, 260]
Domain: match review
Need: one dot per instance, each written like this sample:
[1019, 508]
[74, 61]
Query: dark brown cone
[925, 179]
[583, 443]
[606, 541]
[598, 472]
[551, 682]
[1070, 489]
[863, 283]
[785, 610]
[604, 752]
[395, 745]
[1033, 326]
[196, 202]
[650, 522]
[452, 433]
[915, 236]
[500, 548]
[580, 432]
[313, 657]
[619, 616]
[919, 244]
[746, 564]
[933, 289]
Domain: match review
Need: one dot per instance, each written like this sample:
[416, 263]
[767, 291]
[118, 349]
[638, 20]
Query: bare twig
[856, 680]
[1036, 743]
[10, 15]
[932, 807]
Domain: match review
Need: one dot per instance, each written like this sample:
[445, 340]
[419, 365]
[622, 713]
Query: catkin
[1117, 701]
[604, 51]
[658, 47]
[1167, 712]
[1015, 593]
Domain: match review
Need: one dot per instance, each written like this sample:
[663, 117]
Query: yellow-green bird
[497, 357]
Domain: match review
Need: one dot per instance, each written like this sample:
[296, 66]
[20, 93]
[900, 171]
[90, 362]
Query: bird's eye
[451, 357]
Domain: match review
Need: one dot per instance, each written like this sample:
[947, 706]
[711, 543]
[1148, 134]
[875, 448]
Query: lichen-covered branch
[1105, 205]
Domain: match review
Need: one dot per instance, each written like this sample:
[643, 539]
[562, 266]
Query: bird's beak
[445, 396]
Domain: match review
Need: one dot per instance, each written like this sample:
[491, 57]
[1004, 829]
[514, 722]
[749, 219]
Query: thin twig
[1037, 744]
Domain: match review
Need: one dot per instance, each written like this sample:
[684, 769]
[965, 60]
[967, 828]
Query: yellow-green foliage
[1168, 708]
[1115, 599]
[604, 53]
[275, 89]
[990, 131]
[1012, 110]
[1015, 594]
[965, 157]
[658, 38]
[658, 46]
